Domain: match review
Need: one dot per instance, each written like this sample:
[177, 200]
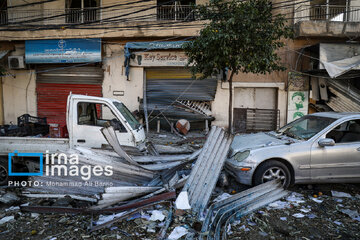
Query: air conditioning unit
[16, 62]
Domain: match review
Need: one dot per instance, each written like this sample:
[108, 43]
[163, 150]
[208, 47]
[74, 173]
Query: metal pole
[82, 11]
[327, 9]
[206, 126]
[145, 104]
[158, 126]
[175, 10]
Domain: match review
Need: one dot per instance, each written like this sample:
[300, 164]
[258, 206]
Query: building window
[178, 10]
[82, 11]
[3, 12]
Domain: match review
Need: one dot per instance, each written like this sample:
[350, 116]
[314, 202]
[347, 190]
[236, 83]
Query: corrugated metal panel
[205, 173]
[245, 201]
[165, 86]
[52, 97]
[346, 99]
[66, 74]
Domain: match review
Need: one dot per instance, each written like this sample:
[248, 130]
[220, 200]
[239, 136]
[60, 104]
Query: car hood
[252, 141]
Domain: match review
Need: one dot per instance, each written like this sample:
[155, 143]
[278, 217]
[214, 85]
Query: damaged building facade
[328, 56]
[131, 51]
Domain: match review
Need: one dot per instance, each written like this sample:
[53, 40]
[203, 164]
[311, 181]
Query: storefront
[170, 91]
[64, 66]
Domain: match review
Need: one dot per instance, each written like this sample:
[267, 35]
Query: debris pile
[305, 214]
[167, 196]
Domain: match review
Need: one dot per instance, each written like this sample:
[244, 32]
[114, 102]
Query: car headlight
[241, 156]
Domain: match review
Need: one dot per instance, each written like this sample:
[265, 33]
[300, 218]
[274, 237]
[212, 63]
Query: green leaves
[242, 36]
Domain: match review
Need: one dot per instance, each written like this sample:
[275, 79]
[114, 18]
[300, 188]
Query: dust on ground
[305, 214]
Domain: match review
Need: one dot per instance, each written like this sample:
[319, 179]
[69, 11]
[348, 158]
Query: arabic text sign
[63, 51]
[159, 59]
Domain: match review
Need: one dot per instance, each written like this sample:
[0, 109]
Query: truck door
[91, 117]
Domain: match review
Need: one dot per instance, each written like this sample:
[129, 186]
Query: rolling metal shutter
[165, 85]
[54, 86]
[68, 75]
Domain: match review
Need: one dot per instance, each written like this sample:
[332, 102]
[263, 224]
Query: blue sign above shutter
[63, 51]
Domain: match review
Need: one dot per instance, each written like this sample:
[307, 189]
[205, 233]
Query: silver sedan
[317, 148]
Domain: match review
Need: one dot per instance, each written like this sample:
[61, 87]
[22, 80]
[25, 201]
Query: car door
[91, 117]
[341, 162]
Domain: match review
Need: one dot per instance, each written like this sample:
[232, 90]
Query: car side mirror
[326, 142]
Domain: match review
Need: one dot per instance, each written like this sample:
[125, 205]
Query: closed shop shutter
[54, 86]
[166, 86]
[255, 110]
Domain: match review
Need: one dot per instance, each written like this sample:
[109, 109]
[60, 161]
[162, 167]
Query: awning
[338, 68]
[147, 46]
[337, 59]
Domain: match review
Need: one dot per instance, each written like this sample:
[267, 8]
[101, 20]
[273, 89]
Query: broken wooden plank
[51, 209]
[157, 198]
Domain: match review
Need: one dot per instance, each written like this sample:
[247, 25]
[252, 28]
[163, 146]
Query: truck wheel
[4, 177]
[272, 170]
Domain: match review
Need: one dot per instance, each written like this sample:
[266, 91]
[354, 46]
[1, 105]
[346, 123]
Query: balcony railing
[175, 12]
[15, 17]
[334, 13]
[85, 15]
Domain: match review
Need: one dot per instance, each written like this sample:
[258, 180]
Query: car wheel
[4, 177]
[272, 170]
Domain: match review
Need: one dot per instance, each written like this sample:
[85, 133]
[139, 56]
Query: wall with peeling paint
[19, 96]
[115, 79]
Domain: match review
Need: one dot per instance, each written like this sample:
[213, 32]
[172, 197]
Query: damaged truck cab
[86, 115]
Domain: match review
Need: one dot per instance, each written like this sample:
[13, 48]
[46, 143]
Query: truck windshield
[127, 115]
[306, 127]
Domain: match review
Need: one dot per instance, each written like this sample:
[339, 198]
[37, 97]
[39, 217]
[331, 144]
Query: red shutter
[52, 99]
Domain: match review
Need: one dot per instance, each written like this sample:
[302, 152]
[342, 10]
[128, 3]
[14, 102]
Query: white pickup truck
[85, 116]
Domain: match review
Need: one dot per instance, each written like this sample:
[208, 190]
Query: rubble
[177, 233]
[6, 219]
[145, 203]
[9, 198]
[340, 194]
[280, 219]
[157, 215]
